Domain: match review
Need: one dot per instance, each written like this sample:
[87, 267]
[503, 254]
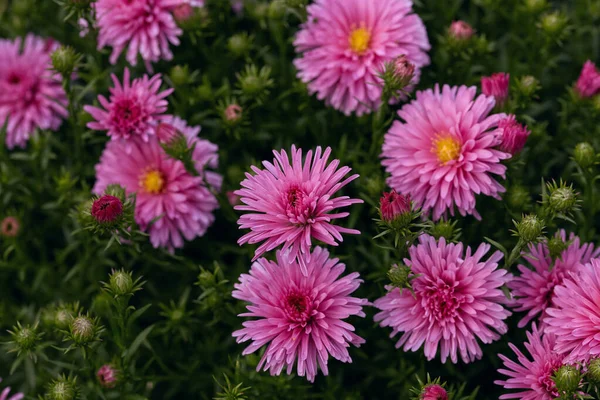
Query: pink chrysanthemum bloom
[164, 189]
[496, 86]
[514, 135]
[146, 27]
[444, 153]
[457, 299]
[300, 317]
[31, 96]
[575, 314]
[289, 204]
[342, 57]
[533, 378]
[4, 395]
[135, 108]
[588, 83]
[533, 290]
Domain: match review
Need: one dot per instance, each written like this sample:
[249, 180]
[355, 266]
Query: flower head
[135, 108]
[532, 377]
[534, 289]
[341, 58]
[434, 392]
[4, 395]
[514, 135]
[31, 95]
[444, 151]
[107, 209]
[460, 30]
[300, 317]
[456, 299]
[171, 204]
[393, 205]
[496, 86]
[107, 376]
[290, 203]
[233, 112]
[588, 83]
[10, 226]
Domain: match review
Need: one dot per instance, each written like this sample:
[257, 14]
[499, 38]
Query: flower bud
[496, 85]
[588, 83]
[399, 276]
[528, 85]
[584, 155]
[530, 228]
[460, 30]
[233, 198]
[434, 392]
[179, 75]
[254, 83]
[64, 314]
[121, 283]
[64, 60]
[84, 330]
[232, 113]
[239, 45]
[445, 229]
[62, 388]
[556, 246]
[535, 6]
[166, 133]
[107, 209]
[553, 23]
[517, 197]
[593, 371]
[107, 376]
[514, 135]
[567, 379]
[24, 338]
[183, 12]
[10, 226]
[206, 278]
[562, 199]
[394, 206]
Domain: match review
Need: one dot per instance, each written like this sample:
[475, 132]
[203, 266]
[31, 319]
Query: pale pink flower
[288, 204]
[588, 83]
[444, 153]
[533, 290]
[344, 46]
[460, 30]
[496, 86]
[575, 314]
[514, 135]
[31, 96]
[532, 377]
[181, 205]
[300, 317]
[134, 110]
[233, 112]
[4, 395]
[456, 299]
[10, 226]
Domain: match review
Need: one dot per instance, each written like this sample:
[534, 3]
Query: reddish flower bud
[496, 86]
[10, 227]
[461, 30]
[165, 132]
[233, 112]
[393, 205]
[233, 198]
[183, 12]
[588, 84]
[434, 392]
[107, 376]
[404, 70]
[107, 209]
[514, 135]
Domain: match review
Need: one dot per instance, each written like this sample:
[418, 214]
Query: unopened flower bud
[107, 376]
[62, 388]
[593, 371]
[206, 278]
[556, 246]
[496, 86]
[460, 30]
[518, 197]
[276, 9]
[530, 228]
[179, 75]
[107, 209]
[528, 85]
[399, 276]
[232, 113]
[404, 70]
[64, 60]
[239, 44]
[584, 155]
[25, 338]
[445, 229]
[534, 6]
[394, 206]
[83, 330]
[233, 198]
[562, 199]
[255, 83]
[183, 12]
[121, 283]
[10, 226]
[567, 379]
[553, 23]
[514, 135]
[165, 133]
[434, 392]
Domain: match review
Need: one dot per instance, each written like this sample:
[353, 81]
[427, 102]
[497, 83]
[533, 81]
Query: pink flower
[107, 209]
[165, 133]
[288, 204]
[31, 96]
[237, 6]
[434, 392]
[533, 378]
[496, 86]
[533, 290]
[233, 112]
[457, 299]
[514, 135]
[393, 204]
[343, 56]
[146, 27]
[300, 317]
[6, 392]
[404, 70]
[84, 27]
[10, 227]
[588, 83]
[135, 108]
[233, 198]
[165, 191]
[107, 376]
[575, 314]
[183, 12]
[443, 154]
[461, 30]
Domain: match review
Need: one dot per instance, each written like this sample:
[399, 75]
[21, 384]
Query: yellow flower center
[446, 148]
[153, 181]
[359, 40]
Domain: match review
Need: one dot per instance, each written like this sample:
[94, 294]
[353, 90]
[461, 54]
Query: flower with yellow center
[359, 40]
[446, 148]
[152, 181]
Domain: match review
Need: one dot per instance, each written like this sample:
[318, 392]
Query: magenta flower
[289, 204]
[10, 226]
[300, 317]
[444, 153]
[107, 209]
[180, 203]
[146, 27]
[434, 392]
[514, 135]
[31, 96]
[341, 58]
[135, 109]
[6, 392]
[496, 86]
[460, 30]
[533, 290]
[532, 377]
[107, 376]
[393, 205]
[457, 299]
[575, 314]
[588, 83]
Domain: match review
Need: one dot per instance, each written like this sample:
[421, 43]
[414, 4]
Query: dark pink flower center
[298, 307]
[14, 79]
[442, 301]
[127, 116]
[299, 206]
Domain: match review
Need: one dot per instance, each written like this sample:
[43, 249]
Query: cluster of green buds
[253, 83]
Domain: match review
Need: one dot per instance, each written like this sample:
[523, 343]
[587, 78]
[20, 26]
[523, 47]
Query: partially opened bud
[107, 209]
[514, 135]
[107, 376]
[165, 132]
[496, 85]
[434, 392]
[393, 206]
[460, 30]
[232, 113]
[10, 226]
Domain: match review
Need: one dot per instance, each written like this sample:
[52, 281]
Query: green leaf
[137, 342]
[497, 245]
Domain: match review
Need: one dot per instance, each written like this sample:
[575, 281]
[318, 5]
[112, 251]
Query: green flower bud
[205, 92]
[518, 197]
[62, 388]
[556, 246]
[179, 75]
[553, 23]
[121, 283]
[584, 155]
[206, 278]
[82, 329]
[64, 61]
[255, 83]
[567, 379]
[445, 229]
[240, 44]
[530, 228]
[399, 275]
[24, 338]
[535, 6]
[562, 199]
[593, 372]
[528, 85]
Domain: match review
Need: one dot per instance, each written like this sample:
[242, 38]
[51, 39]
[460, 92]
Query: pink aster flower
[146, 27]
[434, 392]
[514, 135]
[6, 392]
[181, 203]
[588, 84]
[532, 377]
[460, 30]
[533, 290]
[107, 209]
[345, 44]
[300, 317]
[135, 108]
[107, 376]
[457, 299]
[31, 96]
[496, 86]
[443, 154]
[288, 204]
[575, 314]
